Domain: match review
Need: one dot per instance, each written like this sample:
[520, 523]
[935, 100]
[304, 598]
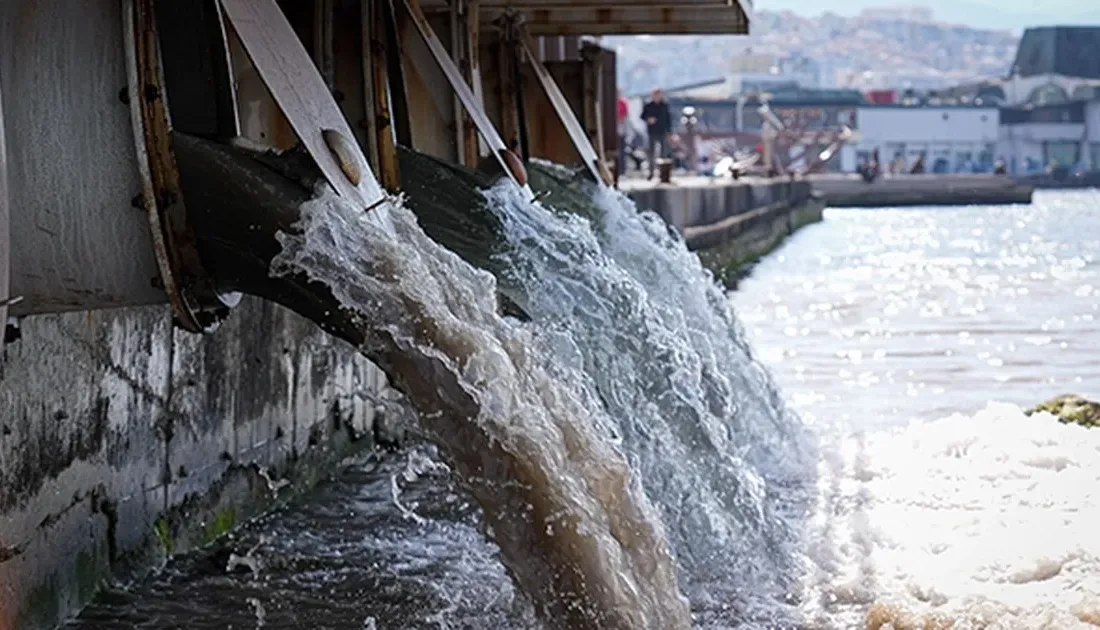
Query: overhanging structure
[619, 17]
[347, 80]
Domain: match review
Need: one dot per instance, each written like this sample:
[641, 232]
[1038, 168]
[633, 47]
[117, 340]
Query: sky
[1013, 15]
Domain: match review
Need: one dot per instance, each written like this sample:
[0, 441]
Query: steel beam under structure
[615, 17]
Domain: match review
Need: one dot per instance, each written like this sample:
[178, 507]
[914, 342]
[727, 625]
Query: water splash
[574, 527]
[627, 306]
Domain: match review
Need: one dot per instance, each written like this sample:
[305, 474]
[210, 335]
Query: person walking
[623, 114]
[658, 121]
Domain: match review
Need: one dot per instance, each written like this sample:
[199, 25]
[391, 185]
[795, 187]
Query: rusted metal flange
[197, 305]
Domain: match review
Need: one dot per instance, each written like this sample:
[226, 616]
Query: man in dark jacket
[658, 121]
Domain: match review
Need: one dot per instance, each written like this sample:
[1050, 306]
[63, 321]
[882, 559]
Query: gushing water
[631, 388]
[572, 523]
[629, 307]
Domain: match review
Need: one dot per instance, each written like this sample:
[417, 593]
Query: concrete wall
[880, 125]
[937, 132]
[705, 202]
[1031, 140]
[123, 440]
[732, 223]
[946, 189]
[741, 242]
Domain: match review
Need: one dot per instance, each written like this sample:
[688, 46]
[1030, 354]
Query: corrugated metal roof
[614, 17]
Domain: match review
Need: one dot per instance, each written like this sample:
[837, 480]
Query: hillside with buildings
[898, 47]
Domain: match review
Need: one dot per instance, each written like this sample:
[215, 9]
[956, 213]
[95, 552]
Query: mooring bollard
[664, 170]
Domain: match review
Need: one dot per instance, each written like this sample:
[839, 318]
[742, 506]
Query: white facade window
[951, 139]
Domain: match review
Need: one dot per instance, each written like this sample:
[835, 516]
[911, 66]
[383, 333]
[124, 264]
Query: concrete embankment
[125, 440]
[730, 223]
[848, 190]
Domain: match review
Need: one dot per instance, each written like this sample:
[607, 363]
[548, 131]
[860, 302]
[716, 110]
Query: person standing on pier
[658, 121]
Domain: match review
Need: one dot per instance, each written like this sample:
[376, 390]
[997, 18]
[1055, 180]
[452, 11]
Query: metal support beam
[473, 56]
[464, 36]
[508, 89]
[198, 76]
[464, 93]
[5, 243]
[399, 96]
[381, 134]
[301, 93]
[593, 106]
[514, 48]
[323, 53]
[618, 17]
[577, 134]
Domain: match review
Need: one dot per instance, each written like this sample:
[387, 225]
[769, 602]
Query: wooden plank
[298, 88]
[5, 243]
[465, 94]
[572, 126]
[383, 145]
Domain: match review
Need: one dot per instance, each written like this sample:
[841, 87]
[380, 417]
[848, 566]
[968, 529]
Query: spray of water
[627, 306]
[630, 399]
[573, 525]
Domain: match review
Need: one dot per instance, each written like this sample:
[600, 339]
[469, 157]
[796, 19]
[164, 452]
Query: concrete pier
[731, 223]
[849, 190]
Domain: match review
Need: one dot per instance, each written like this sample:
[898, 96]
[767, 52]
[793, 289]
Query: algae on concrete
[734, 259]
[1071, 409]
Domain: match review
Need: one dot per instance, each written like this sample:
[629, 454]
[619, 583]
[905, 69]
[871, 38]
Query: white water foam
[966, 522]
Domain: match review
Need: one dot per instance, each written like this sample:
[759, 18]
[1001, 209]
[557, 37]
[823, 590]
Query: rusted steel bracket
[296, 85]
[196, 303]
[464, 93]
[561, 105]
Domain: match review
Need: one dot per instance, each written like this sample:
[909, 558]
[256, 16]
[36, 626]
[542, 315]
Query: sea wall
[848, 190]
[124, 440]
[731, 223]
[727, 247]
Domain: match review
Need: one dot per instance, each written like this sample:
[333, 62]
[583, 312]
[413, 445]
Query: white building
[1092, 128]
[1052, 63]
[951, 138]
[1033, 139]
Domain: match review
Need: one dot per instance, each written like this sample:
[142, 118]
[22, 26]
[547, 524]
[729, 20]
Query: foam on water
[986, 521]
[574, 528]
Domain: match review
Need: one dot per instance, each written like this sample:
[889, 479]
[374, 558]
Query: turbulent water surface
[910, 339]
[883, 508]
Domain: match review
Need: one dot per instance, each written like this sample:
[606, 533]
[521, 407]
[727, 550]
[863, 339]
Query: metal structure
[619, 17]
[90, 180]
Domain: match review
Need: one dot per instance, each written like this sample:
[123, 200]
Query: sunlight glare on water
[895, 332]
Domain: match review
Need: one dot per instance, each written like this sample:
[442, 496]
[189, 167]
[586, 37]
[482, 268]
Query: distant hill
[876, 48]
